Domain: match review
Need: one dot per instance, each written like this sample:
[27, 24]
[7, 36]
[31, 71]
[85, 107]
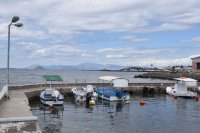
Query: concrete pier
[167, 75]
[15, 114]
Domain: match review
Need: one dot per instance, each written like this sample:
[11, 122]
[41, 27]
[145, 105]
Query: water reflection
[159, 112]
[50, 118]
[111, 106]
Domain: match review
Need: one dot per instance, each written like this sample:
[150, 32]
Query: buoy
[92, 102]
[51, 106]
[142, 102]
[196, 98]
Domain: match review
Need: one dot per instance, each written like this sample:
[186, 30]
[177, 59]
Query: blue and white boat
[113, 93]
[51, 96]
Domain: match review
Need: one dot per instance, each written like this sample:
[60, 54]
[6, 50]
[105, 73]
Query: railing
[1, 86]
[3, 91]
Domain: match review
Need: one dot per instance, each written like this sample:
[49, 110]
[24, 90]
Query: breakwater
[167, 75]
[33, 91]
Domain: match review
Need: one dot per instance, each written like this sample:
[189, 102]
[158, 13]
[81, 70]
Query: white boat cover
[109, 78]
[116, 81]
[188, 81]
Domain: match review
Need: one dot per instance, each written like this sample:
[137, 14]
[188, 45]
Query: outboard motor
[88, 97]
[55, 95]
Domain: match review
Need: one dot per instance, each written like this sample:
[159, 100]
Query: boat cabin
[189, 82]
[115, 81]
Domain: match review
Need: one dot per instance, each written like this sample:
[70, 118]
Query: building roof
[185, 79]
[198, 57]
[109, 78]
[52, 78]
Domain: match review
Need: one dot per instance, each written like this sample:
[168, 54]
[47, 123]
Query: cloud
[192, 56]
[194, 39]
[134, 38]
[173, 26]
[28, 46]
[130, 52]
[76, 16]
[51, 27]
[57, 51]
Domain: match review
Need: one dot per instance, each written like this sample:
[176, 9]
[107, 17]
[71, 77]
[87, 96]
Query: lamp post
[13, 22]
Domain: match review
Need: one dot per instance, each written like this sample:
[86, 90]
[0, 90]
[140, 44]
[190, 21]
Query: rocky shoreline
[167, 75]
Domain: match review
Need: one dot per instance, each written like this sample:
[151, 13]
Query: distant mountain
[90, 66]
[61, 67]
[35, 67]
[85, 66]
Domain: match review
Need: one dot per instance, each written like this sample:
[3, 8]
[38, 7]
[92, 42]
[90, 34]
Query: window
[198, 65]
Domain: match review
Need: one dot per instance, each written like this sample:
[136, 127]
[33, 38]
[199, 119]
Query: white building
[196, 65]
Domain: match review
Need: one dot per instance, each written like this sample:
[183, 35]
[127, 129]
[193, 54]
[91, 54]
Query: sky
[120, 32]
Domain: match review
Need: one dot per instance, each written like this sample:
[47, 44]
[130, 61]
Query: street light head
[15, 19]
[18, 24]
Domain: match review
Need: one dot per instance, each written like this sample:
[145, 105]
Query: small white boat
[51, 97]
[180, 88]
[81, 93]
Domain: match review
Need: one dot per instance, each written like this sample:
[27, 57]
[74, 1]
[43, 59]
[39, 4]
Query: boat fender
[92, 102]
[123, 98]
[142, 102]
[51, 106]
[196, 98]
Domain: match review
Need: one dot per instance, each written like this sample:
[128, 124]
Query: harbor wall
[167, 75]
[33, 91]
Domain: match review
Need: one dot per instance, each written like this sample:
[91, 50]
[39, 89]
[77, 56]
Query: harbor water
[160, 113]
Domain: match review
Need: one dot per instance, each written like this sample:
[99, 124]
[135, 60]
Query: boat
[82, 93]
[51, 96]
[180, 88]
[113, 93]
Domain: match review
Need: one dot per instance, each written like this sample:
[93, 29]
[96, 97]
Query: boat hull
[187, 94]
[79, 98]
[80, 93]
[111, 94]
[47, 97]
[51, 102]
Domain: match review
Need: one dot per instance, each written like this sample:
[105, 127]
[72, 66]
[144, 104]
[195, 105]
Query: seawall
[167, 75]
[33, 91]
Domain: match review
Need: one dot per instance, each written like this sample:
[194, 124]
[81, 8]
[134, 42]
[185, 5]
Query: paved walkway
[16, 106]
[15, 114]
